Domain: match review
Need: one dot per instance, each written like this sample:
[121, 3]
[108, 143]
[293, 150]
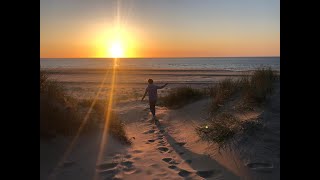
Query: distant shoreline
[109, 58]
[153, 71]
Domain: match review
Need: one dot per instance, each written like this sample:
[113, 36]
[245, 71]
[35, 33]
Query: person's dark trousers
[153, 107]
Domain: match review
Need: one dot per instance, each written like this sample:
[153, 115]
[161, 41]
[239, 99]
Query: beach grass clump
[255, 88]
[51, 88]
[117, 129]
[249, 91]
[43, 80]
[61, 114]
[224, 127]
[181, 96]
[99, 107]
[219, 129]
[251, 126]
[221, 92]
[58, 114]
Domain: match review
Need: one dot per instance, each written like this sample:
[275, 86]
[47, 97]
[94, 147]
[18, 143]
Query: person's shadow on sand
[215, 170]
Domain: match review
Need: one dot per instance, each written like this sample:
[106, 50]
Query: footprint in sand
[163, 149]
[129, 171]
[184, 173]
[173, 167]
[161, 144]
[149, 131]
[151, 140]
[173, 162]
[205, 174]
[127, 164]
[162, 131]
[110, 173]
[104, 166]
[167, 159]
[129, 168]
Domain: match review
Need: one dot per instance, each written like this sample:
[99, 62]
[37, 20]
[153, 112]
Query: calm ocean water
[234, 64]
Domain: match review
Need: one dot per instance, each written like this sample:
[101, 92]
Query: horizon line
[157, 57]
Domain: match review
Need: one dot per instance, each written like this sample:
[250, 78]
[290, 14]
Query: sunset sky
[159, 28]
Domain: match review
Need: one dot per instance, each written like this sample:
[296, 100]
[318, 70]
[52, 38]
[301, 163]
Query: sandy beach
[171, 150]
[131, 83]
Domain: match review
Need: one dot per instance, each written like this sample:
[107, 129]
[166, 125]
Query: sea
[213, 63]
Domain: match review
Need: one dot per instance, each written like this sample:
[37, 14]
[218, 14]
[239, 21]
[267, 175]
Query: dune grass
[253, 91]
[221, 92]
[220, 129]
[180, 96]
[116, 127]
[224, 127]
[57, 115]
[61, 114]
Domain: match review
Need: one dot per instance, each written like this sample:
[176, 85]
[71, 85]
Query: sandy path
[171, 150]
[156, 154]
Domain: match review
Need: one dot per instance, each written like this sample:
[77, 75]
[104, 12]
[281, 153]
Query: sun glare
[116, 50]
[112, 42]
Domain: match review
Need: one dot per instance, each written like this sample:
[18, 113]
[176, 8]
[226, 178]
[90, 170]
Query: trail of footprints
[172, 164]
[111, 170]
[125, 164]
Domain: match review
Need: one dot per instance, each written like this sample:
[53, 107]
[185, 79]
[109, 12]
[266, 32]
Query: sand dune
[171, 150]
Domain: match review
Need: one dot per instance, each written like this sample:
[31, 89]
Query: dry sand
[171, 150]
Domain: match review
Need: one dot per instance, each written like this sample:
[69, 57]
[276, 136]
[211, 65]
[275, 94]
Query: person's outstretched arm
[145, 93]
[163, 86]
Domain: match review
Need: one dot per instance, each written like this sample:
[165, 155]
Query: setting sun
[113, 42]
[116, 50]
